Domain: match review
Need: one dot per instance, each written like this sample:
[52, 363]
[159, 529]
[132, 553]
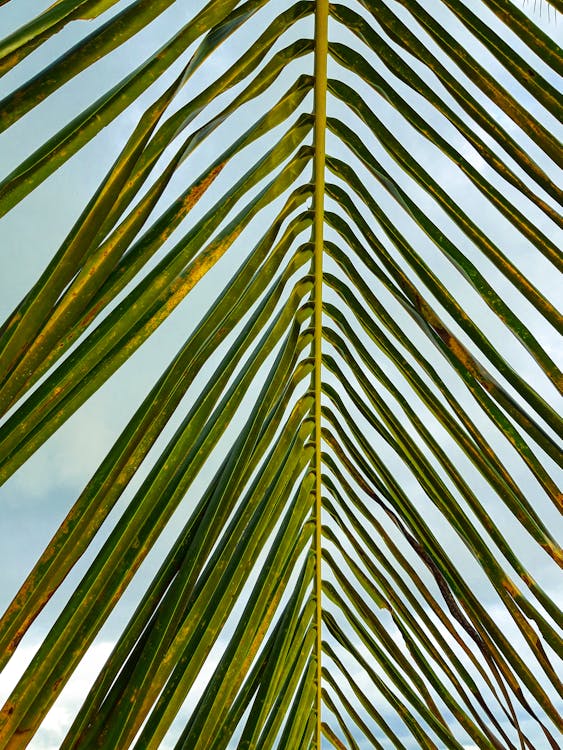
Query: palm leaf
[331, 519]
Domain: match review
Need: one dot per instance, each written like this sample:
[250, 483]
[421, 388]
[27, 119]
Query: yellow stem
[321, 54]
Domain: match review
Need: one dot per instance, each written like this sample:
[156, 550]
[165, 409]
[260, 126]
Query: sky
[39, 494]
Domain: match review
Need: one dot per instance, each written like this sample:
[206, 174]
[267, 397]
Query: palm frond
[331, 518]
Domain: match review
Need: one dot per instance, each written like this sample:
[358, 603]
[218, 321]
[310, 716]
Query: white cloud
[59, 718]
[15, 668]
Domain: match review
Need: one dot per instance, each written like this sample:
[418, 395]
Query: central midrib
[321, 53]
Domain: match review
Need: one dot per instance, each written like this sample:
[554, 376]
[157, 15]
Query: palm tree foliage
[352, 456]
